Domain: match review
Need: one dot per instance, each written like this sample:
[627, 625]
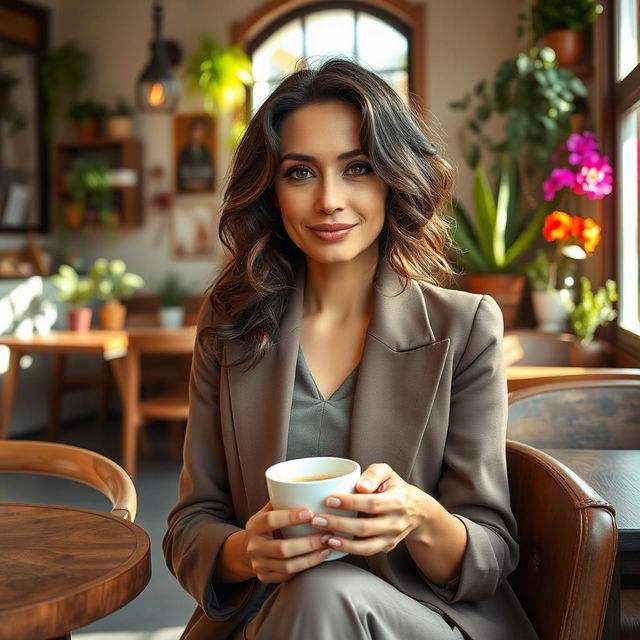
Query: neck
[343, 290]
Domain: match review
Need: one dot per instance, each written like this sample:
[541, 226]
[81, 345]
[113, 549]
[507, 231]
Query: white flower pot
[551, 314]
[171, 317]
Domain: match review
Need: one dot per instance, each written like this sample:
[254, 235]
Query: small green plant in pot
[119, 123]
[113, 284]
[171, 294]
[77, 293]
[87, 115]
[593, 309]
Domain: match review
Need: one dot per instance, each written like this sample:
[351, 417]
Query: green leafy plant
[171, 291]
[73, 289]
[88, 183]
[63, 71]
[554, 15]
[112, 281]
[534, 96]
[493, 238]
[85, 110]
[593, 310]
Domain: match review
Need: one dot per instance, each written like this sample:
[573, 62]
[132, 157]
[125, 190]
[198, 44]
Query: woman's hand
[276, 559]
[395, 508]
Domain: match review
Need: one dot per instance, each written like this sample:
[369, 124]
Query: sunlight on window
[278, 54]
[371, 33]
[628, 238]
[330, 33]
[628, 43]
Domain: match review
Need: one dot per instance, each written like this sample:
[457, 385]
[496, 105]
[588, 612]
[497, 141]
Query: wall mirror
[24, 164]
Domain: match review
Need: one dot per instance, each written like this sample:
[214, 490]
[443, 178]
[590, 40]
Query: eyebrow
[301, 157]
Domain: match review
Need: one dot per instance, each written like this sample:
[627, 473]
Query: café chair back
[586, 414]
[568, 541]
[73, 463]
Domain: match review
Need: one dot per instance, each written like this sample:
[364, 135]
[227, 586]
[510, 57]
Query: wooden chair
[568, 542]
[73, 463]
[583, 414]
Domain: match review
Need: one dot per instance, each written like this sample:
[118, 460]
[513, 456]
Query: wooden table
[62, 568]
[519, 377]
[122, 349]
[615, 475]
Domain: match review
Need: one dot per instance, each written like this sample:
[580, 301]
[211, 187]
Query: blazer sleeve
[204, 516]
[474, 485]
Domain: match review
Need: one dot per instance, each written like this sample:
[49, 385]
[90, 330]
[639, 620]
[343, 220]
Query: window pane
[329, 32]
[380, 46]
[278, 54]
[629, 176]
[260, 91]
[628, 42]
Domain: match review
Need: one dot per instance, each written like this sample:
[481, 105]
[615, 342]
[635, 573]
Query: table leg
[57, 379]
[9, 391]
[127, 373]
[611, 630]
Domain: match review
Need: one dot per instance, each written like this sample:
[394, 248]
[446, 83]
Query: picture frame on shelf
[193, 228]
[194, 153]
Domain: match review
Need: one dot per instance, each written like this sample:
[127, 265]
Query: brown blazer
[430, 400]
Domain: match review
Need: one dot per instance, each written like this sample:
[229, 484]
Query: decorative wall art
[194, 144]
[193, 229]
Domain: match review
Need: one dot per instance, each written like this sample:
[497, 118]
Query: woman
[326, 334]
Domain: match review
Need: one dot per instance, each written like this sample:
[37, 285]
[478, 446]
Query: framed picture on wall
[193, 229]
[194, 151]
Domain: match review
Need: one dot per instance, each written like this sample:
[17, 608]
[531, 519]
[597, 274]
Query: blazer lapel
[398, 377]
[261, 402]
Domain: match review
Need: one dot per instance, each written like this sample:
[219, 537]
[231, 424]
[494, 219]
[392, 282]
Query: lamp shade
[157, 88]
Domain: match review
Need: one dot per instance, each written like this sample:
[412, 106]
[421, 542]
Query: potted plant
[171, 294]
[562, 23]
[76, 292]
[113, 284]
[222, 74]
[86, 115]
[119, 123]
[88, 185]
[490, 242]
[63, 71]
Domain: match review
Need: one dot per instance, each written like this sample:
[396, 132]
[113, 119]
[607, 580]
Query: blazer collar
[397, 380]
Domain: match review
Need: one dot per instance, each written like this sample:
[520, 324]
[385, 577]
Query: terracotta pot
[568, 45]
[112, 315]
[505, 288]
[87, 130]
[119, 127]
[79, 319]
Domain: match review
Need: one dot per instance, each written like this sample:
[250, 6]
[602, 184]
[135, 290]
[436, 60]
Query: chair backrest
[73, 463]
[587, 414]
[568, 542]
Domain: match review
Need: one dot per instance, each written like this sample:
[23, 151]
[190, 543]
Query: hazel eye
[298, 173]
[359, 169]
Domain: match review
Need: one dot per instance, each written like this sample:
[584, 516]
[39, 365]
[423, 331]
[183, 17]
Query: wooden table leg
[9, 391]
[611, 630]
[57, 379]
[127, 373]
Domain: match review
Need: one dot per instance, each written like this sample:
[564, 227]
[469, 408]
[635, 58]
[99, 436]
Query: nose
[330, 196]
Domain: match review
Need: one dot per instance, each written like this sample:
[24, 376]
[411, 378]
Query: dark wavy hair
[250, 295]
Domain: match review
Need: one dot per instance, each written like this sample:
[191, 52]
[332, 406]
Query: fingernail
[366, 484]
[325, 553]
[335, 542]
[319, 522]
[325, 537]
[306, 515]
[333, 502]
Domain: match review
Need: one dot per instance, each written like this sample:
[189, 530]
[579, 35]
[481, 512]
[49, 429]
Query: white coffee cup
[307, 482]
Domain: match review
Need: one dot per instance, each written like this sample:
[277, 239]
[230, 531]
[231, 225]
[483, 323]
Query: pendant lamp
[157, 89]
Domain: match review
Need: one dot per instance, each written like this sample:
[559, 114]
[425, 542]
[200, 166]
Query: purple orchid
[594, 179]
[558, 179]
[583, 148]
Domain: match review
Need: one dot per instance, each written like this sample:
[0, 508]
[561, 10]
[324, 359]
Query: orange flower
[557, 226]
[591, 234]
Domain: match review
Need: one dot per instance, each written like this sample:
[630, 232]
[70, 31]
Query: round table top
[64, 567]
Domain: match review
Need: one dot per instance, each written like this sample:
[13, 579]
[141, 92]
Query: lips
[331, 232]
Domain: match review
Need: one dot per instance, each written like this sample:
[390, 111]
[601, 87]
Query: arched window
[385, 36]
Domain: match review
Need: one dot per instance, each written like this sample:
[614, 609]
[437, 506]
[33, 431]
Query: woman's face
[332, 204]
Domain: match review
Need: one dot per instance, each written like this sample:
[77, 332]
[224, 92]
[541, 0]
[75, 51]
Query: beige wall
[466, 40]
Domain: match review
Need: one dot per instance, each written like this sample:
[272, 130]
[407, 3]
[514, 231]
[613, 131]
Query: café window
[377, 40]
[627, 108]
